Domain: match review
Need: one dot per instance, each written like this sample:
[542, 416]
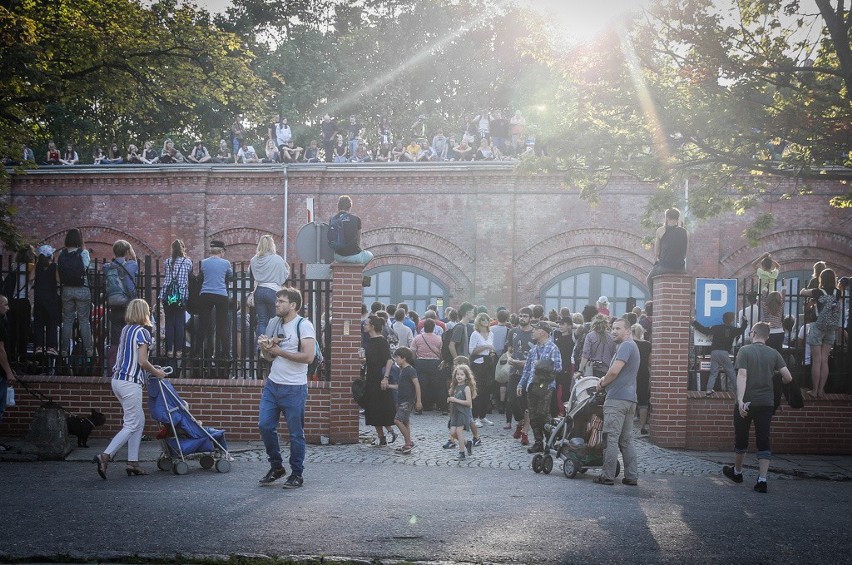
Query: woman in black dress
[379, 407]
[643, 377]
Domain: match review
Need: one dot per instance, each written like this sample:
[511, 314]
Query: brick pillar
[670, 358]
[346, 299]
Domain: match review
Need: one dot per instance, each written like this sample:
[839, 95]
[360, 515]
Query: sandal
[102, 461]
[602, 480]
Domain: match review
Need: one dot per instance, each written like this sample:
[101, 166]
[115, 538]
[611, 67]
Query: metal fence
[241, 360]
[797, 314]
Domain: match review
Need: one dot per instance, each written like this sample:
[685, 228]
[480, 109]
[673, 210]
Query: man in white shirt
[247, 154]
[289, 342]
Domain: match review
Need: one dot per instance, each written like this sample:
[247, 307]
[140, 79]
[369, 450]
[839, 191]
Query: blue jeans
[264, 303]
[289, 399]
[175, 328]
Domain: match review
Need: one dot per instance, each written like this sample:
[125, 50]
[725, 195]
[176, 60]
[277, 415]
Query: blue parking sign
[713, 297]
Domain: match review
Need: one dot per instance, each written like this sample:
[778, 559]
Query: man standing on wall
[756, 364]
[289, 344]
[670, 246]
[344, 234]
[620, 407]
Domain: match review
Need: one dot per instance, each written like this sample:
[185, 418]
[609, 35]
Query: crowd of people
[486, 136]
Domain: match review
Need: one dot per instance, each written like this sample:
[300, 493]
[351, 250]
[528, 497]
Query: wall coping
[220, 383]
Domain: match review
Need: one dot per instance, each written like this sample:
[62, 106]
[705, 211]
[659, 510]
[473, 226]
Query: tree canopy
[729, 97]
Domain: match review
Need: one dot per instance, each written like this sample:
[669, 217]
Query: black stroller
[577, 437]
[182, 434]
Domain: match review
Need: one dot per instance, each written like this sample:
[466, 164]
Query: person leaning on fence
[128, 267]
[173, 296]
[217, 273]
[289, 343]
[270, 272]
[823, 331]
[72, 265]
[723, 336]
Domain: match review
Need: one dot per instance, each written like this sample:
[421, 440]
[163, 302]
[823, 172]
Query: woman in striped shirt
[129, 376]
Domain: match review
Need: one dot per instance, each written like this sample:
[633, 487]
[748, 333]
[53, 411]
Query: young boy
[409, 394]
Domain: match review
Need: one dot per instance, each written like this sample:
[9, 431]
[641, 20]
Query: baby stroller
[182, 434]
[582, 446]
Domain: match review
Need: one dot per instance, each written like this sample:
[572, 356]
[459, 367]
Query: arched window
[579, 287]
[396, 283]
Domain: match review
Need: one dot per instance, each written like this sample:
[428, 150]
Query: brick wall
[488, 234]
[670, 359]
[228, 404]
[822, 426]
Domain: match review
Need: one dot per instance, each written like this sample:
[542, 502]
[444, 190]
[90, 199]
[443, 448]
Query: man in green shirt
[756, 364]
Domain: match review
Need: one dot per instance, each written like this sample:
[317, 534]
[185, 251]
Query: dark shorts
[403, 412]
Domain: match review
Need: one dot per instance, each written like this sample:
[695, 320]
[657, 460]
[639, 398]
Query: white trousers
[129, 394]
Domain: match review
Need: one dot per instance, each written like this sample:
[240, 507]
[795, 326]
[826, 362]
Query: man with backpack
[344, 235]
[290, 344]
[119, 289]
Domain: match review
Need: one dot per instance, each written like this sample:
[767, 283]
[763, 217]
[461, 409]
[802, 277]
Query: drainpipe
[286, 214]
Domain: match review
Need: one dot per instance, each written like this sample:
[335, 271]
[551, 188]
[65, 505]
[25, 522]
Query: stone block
[49, 433]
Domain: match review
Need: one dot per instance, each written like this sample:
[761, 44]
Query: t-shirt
[624, 385]
[476, 340]
[217, 272]
[673, 244]
[403, 334]
[406, 384]
[521, 345]
[767, 278]
[283, 134]
[284, 371]
[461, 337]
[760, 361]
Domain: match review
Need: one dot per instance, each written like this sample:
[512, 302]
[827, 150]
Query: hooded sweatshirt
[270, 271]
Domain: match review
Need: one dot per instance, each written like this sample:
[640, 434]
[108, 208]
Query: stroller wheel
[537, 461]
[223, 465]
[180, 468]
[164, 464]
[547, 464]
[207, 461]
[571, 466]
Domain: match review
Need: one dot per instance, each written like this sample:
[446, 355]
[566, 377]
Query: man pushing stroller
[542, 364]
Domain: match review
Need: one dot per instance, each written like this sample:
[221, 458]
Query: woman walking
[129, 377]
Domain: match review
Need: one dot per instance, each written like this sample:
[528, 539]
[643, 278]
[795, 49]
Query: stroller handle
[167, 369]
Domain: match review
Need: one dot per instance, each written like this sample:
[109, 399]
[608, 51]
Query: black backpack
[336, 235]
[71, 269]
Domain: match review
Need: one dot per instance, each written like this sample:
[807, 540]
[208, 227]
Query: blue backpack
[116, 285]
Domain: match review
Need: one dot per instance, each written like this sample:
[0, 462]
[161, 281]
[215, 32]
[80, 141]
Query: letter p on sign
[715, 296]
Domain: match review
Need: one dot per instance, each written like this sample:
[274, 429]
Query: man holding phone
[756, 364]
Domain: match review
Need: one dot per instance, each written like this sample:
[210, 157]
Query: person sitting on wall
[199, 153]
[670, 247]
[347, 248]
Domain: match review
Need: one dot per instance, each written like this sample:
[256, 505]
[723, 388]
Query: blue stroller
[182, 434]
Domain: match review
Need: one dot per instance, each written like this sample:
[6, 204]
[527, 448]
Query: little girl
[461, 402]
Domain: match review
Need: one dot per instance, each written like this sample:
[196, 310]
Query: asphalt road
[418, 513]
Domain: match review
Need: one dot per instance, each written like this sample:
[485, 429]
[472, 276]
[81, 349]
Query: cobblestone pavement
[498, 451]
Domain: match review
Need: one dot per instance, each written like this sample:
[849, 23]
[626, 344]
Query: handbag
[503, 370]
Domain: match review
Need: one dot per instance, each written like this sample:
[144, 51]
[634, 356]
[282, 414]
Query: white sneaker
[487, 421]
[478, 423]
